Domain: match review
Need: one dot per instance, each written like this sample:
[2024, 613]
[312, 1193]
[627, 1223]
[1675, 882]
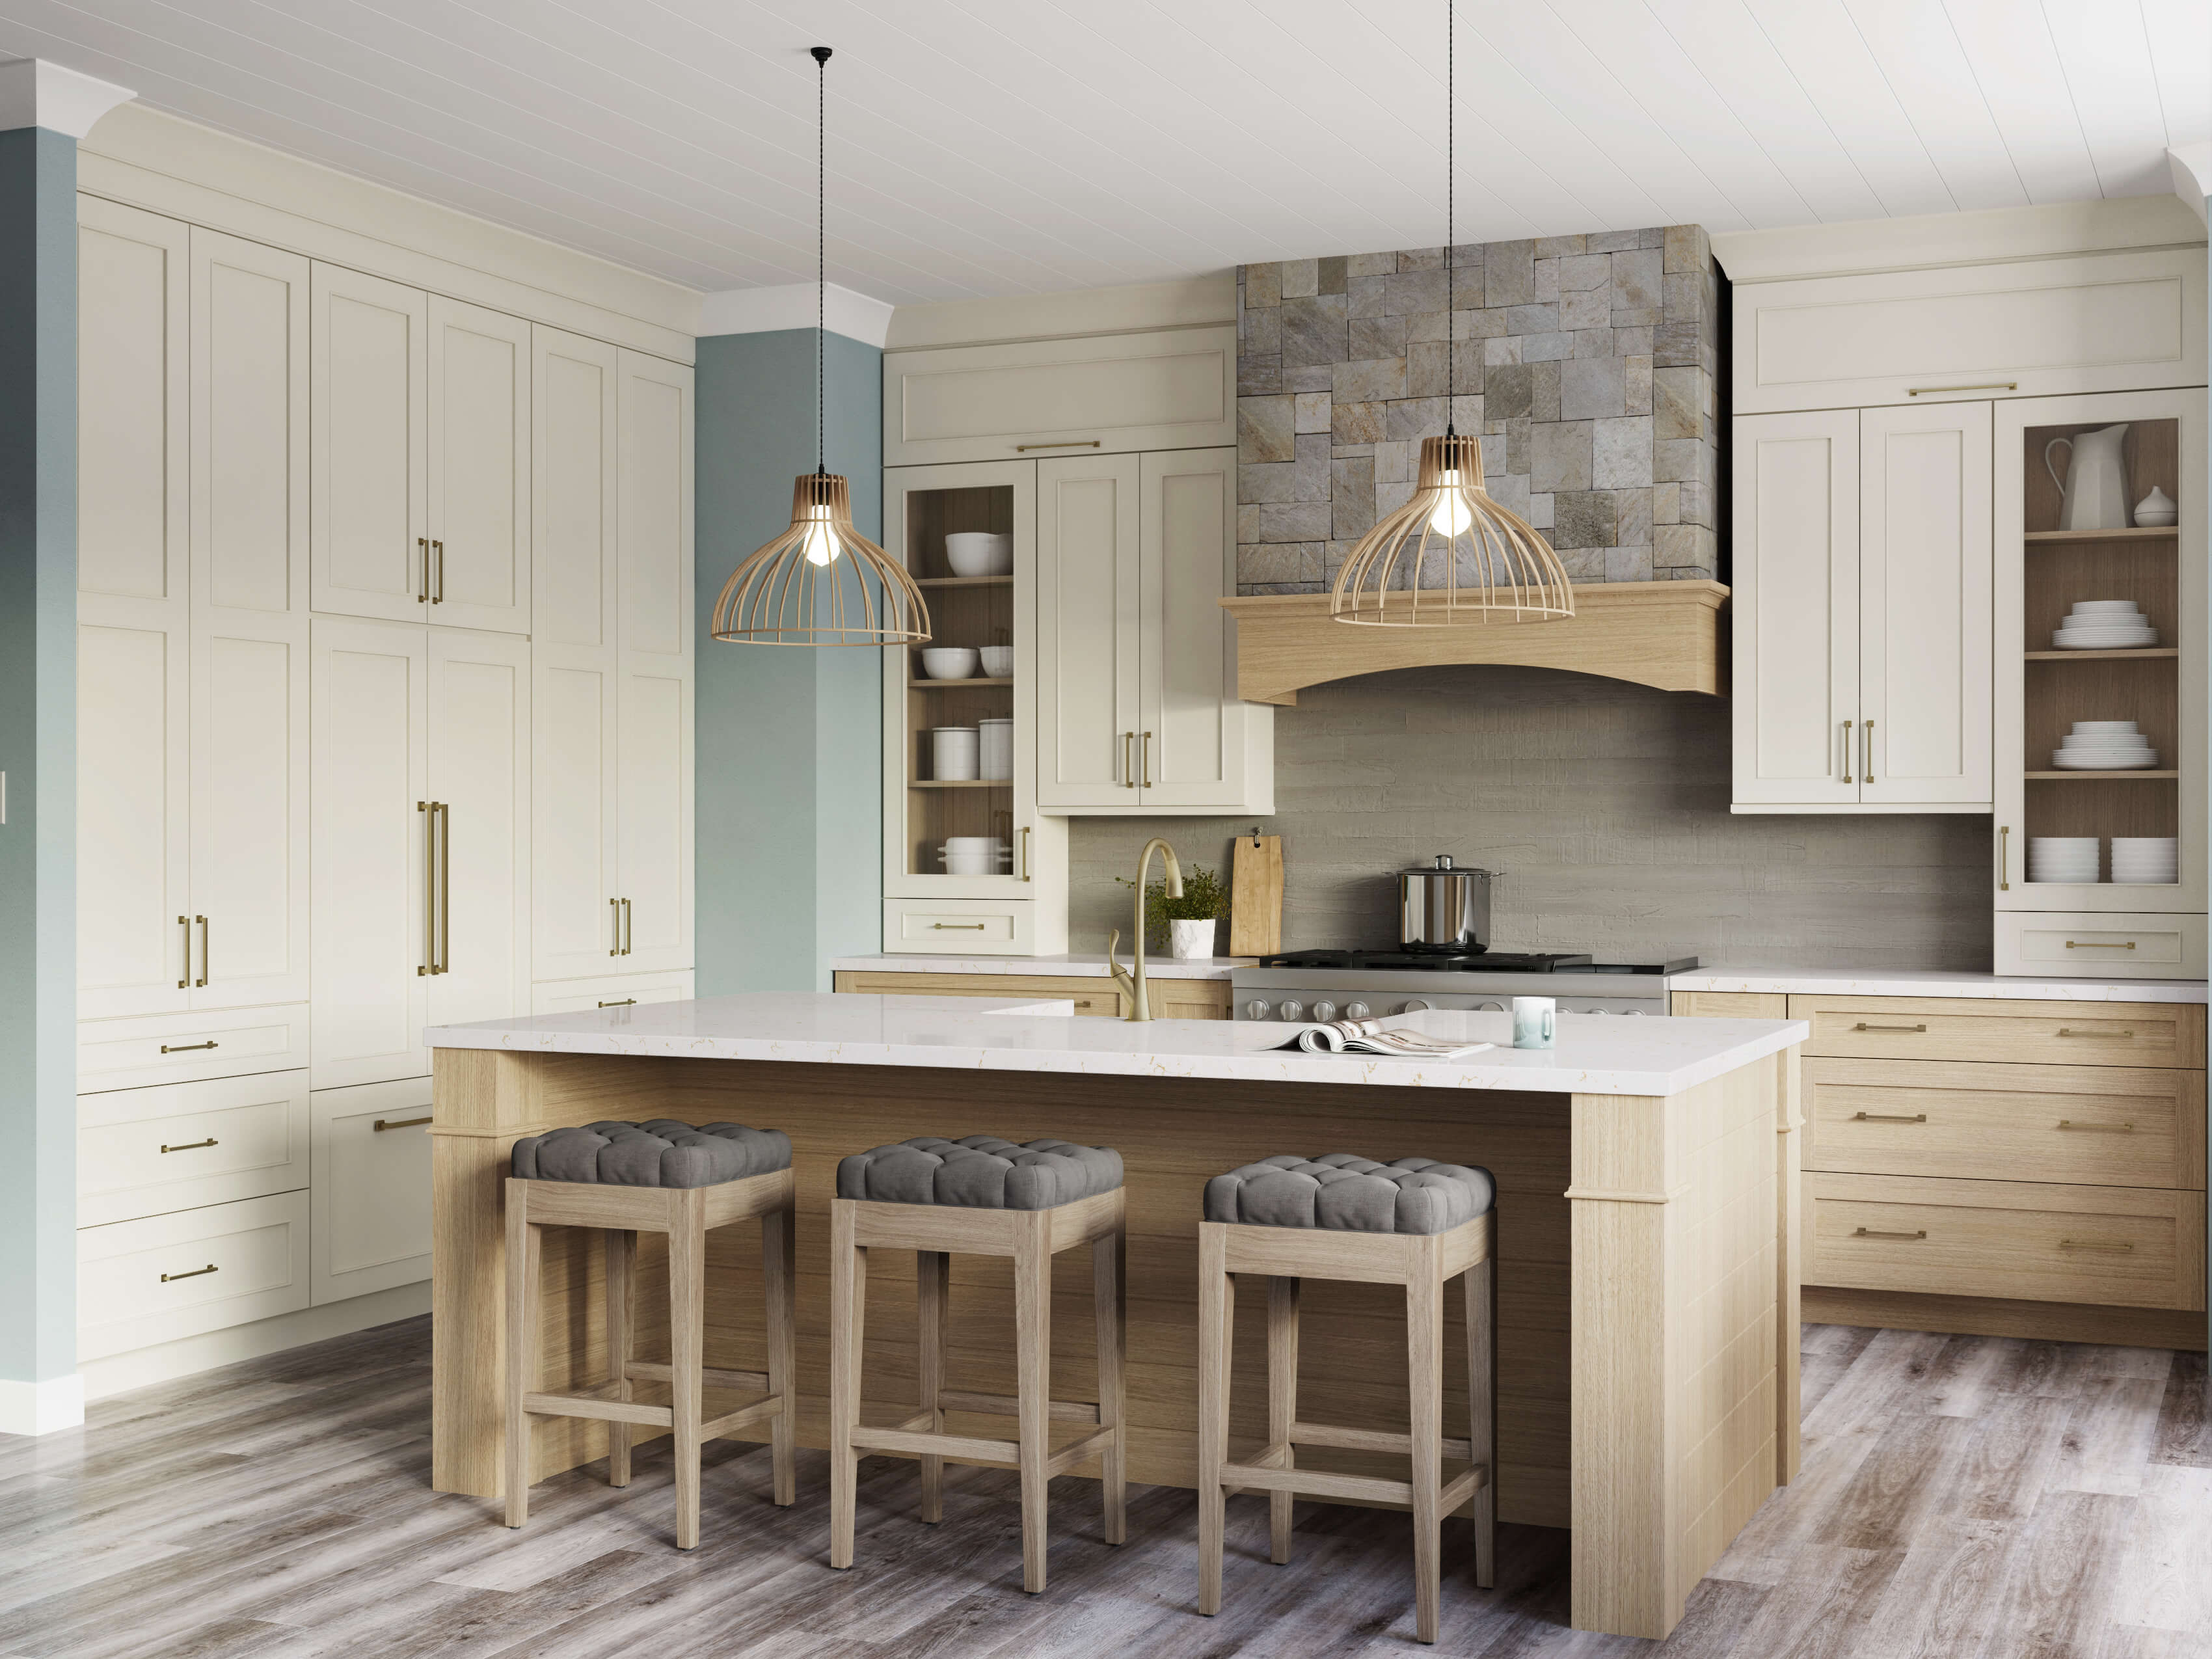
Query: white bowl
[2085, 728]
[979, 553]
[973, 844]
[2091, 607]
[998, 661]
[949, 662]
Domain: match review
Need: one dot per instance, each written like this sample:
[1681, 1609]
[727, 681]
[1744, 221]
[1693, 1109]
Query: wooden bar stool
[981, 1196]
[664, 1177]
[1414, 1223]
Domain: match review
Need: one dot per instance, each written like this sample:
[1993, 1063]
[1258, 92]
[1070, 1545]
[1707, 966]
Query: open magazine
[1398, 1036]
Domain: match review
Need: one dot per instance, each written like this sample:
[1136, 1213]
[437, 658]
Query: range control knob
[1601, 1011]
[1357, 1011]
[1256, 1009]
[1490, 1007]
[1291, 1009]
[1412, 1005]
[1636, 1014]
[1324, 1010]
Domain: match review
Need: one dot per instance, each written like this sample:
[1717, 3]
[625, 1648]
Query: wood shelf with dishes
[2099, 816]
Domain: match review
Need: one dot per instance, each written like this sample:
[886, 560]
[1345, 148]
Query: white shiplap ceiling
[999, 147]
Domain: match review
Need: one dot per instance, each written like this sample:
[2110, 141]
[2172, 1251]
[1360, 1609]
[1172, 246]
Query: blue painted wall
[38, 752]
[789, 739]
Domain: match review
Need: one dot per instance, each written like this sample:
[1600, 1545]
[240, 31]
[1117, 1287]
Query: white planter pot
[1189, 939]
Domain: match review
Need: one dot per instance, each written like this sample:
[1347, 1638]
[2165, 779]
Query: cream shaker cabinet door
[575, 913]
[478, 472]
[368, 370]
[371, 851]
[370, 1220]
[652, 820]
[479, 783]
[1088, 606]
[1190, 741]
[1795, 698]
[655, 508]
[1924, 595]
[572, 526]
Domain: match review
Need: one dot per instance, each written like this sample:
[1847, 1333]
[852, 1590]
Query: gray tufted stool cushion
[1351, 1194]
[979, 1172]
[660, 1154]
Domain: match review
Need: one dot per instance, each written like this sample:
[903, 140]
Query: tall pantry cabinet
[347, 550]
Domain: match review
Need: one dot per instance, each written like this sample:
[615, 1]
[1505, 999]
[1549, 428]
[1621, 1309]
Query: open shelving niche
[2060, 567]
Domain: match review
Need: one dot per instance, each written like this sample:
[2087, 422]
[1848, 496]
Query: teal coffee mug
[1535, 1021]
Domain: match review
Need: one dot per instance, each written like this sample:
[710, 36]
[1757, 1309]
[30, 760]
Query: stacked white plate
[2103, 746]
[2146, 860]
[2071, 859]
[2105, 625]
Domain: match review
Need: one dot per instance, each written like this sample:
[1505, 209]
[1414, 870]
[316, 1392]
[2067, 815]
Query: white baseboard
[166, 1361]
[41, 1407]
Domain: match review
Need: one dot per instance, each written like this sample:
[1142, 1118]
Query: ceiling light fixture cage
[1452, 555]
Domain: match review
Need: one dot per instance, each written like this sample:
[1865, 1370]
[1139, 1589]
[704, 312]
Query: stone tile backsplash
[1587, 363]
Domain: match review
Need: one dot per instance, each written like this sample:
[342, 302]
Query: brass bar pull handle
[1025, 852]
[184, 1047]
[614, 906]
[2099, 944]
[1148, 760]
[619, 1002]
[1889, 1117]
[1847, 753]
[423, 588]
[190, 1145]
[957, 926]
[1863, 1026]
[438, 593]
[203, 922]
[196, 1272]
[1978, 385]
[443, 812]
[2094, 1244]
[2099, 1036]
[2004, 858]
[2097, 1129]
[1870, 1232]
[1128, 763]
[185, 926]
[429, 962]
[1866, 753]
[1061, 443]
[630, 933]
[384, 1123]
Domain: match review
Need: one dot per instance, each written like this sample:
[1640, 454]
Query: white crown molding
[1193, 302]
[1998, 235]
[36, 94]
[765, 310]
[41, 1407]
[2192, 169]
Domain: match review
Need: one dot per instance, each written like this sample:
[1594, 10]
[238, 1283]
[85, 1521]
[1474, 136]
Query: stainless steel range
[1362, 984]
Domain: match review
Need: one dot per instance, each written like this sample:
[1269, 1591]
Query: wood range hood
[1666, 634]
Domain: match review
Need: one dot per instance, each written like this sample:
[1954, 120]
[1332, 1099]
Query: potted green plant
[1188, 925]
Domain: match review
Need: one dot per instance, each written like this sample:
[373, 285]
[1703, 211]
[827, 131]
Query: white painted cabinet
[477, 469]
[370, 1218]
[369, 370]
[1863, 584]
[574, 531]
[479, 777]
[1090, 608]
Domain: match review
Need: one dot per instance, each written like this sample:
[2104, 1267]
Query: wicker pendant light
[1452, 555]
[821, 582]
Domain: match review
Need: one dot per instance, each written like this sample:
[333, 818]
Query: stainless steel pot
[1444, 908]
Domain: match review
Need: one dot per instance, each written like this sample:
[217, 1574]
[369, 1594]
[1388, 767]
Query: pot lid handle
[1443, 861]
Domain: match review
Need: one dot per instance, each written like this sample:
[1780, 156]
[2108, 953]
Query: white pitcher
[2094, 494]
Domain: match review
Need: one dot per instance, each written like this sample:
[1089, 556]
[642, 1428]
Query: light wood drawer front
[147, 1152]
[1096, 997]
[129, 1053]
[2099, 944]
[259, 1251]
[2124, 1247]
[1968, 1028]
[2104, 1126]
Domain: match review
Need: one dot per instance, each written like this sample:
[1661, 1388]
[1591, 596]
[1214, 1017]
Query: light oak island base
[1646, 1302]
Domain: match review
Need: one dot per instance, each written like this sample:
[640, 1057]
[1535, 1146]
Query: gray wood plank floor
[1961, 1497]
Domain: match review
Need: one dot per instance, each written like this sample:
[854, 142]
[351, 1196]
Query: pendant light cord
[821, 252]
[1451, 230]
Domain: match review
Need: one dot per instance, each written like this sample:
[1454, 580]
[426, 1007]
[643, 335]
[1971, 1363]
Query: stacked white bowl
[2103, 746]
[2146, 860]
[2105, 625]
[2071, 859]
[975, 855]
[979, 553]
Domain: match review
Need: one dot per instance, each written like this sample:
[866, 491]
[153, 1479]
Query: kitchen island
[1646, 1215]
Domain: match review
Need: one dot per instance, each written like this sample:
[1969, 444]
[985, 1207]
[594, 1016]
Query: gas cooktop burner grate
[1485, 962]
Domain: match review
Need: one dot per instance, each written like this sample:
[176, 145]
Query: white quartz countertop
[1873, 982]
[1596, 1054]
[1063, 967]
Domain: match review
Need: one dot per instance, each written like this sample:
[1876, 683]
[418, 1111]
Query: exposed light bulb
[1451, 517]
[821, 545]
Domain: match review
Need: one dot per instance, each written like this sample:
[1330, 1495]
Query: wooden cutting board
[1255, 896]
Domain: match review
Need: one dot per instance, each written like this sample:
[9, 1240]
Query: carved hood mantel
[1666, 634]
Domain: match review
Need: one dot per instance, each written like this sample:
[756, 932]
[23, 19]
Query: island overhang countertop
[1596, 1053]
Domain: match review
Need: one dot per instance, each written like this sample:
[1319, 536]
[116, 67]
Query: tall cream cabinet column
[370, 495]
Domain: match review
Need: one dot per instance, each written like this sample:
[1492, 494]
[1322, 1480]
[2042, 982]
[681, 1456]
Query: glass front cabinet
[2100, 691]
